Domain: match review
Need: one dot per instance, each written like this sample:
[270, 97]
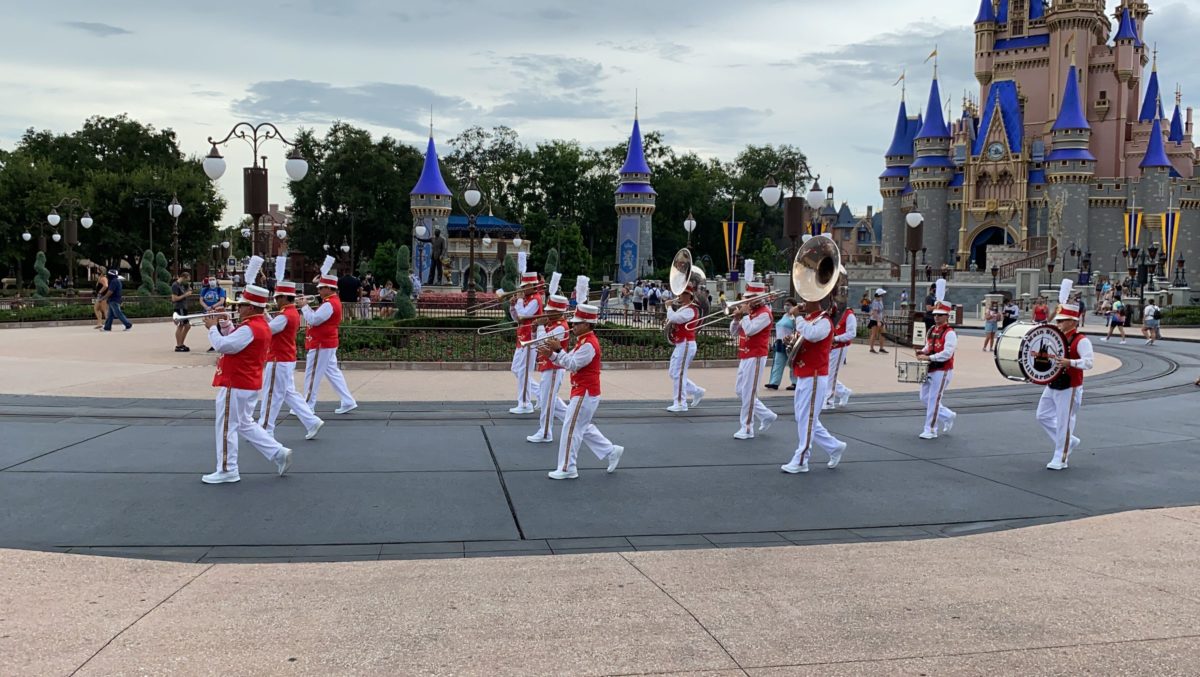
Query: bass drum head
[1026, 352]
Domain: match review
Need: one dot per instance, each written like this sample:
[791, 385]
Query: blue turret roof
[1127, 29]
[1176, 127]
[901, 139]
[1037, 10]
[635, 160]
[1156, 155]
[1071, 116]
[987, 12]
[1002, 12]
[1152, 105]
[431, 182]
[1002, 100]
[935, 121]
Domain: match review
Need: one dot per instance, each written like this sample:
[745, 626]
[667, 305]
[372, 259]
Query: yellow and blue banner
[1133, 229]
[733, 240]
[1170, 236]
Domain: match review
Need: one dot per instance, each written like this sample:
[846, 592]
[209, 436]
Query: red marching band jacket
[841, 329]
[759, 344]
[544, 363]
[325, 335]
[283, 344]
[687, 330]
[813, 358]
[525, 326]
[244, 370]
[1074, 375]
[586, 381]
[937, 343]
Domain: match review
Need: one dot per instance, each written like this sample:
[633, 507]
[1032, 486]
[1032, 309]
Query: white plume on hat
[805, 237]
[749, 270]
[281, 265]
[521, 264]
[1064, 292]
[253, 268]
[327, 265]
[581, 289]
[939, 292]
[555, 281]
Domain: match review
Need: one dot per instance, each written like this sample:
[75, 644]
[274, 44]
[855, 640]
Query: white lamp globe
[174, 209]
[421, 230]
[689, 224]
[281, 234]
[26, 236]
[517, 242]
[771, 194]
[914, 219]
[816, 196]
[472, 196]
[86, 221]
[487, 241]
[225, 244]
[214, 164]
[56, 237]
[296, 167]
[245, 232]
[345, 248]
[53, 219]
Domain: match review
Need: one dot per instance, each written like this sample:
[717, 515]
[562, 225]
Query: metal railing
[1008, 271]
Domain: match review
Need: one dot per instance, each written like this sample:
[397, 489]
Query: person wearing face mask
[212, 298]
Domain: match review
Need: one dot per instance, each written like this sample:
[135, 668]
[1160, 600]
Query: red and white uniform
[239, 376]
[1061, 399]
[940, 344]
[684, 334]
[584, 364]
[811, 369]
[843, 335]
[523, 361]
[321, 343]
[552, 377]
[279, 376]
[754, 334]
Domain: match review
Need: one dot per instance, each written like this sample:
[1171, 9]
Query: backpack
[1157, 314]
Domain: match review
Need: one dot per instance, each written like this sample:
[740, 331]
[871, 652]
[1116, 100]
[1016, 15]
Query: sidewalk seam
[686, 610]
[512, 510]
[73, 444]
[139, 618]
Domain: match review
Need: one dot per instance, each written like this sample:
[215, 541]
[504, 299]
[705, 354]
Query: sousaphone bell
[817, 275]
[683, 274]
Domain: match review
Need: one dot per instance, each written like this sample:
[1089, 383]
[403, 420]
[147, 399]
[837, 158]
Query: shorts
[989, 327]
[1115, 321]
[1151, 323]
[872, 324]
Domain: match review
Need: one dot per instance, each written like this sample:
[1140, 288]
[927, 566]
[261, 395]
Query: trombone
[509, 325]
[726, 313]
[197, 319]
[504, 297]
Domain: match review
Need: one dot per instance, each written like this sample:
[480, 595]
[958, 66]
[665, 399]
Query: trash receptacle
[958, 315]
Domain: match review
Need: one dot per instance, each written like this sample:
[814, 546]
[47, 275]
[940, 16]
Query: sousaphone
[683, 274]
[817, 275]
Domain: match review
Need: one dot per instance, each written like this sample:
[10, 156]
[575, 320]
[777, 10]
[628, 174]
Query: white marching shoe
[562, 475]
[614, 457]
[221, 477]
[793, 469]
[1056, 465]
[312, 432]
[521, 410]
[743, 435]
[698, 396]
[283, 460]
[949, 424]
[844, 399]
[766, 422]
[538, 439]
[928, 436]
[677, 408]
[828, 406]
[836, 457]
[346, 410]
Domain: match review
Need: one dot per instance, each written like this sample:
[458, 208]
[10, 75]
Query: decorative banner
[733, 241]
[1170, 236]
[1133, 229]
[629, 228]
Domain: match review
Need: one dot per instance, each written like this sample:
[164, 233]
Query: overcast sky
[712, 75]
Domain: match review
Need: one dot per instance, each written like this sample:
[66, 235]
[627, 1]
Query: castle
[1069, 137]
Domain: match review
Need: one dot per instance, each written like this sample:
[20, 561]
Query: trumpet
[542, 339]
[197, 319]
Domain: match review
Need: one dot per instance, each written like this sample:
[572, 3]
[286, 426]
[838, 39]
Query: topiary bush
[149, 278]
[162, 275]
[41, 281]
[403, 302]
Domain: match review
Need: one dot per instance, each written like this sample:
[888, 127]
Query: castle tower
[1074, 28]
[635, 199]
[1152, 195]
[1070, 164]
[892, 184]
[930, 176]
[429, 203]
[985, 42]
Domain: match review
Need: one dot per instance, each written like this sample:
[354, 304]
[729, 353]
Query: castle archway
[989, 234]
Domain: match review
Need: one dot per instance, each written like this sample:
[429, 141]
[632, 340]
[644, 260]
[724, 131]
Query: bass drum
[1025, 352]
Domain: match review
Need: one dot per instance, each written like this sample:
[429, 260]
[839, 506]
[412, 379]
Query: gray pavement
[121, 476]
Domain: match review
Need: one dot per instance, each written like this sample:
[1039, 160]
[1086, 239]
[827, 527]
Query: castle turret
[1070, 165]
[635, 201]
[892, 183]
[930, 176]
[1152, 195]
[985, 42]
[1152, 104]
[429, 202]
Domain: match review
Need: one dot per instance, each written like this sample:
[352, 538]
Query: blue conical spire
[901, 143]
[1156, 155]
[431, 182]
[635, 160]
[1070, 116]
[1152, 106]
[1127, 30]
[987, 12]
[1176, 126]
[935, 120]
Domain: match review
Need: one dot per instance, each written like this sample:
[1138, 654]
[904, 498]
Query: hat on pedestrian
[112, 272]
[1067, 311]
[880, 292]
[940, 307]
[328, 279]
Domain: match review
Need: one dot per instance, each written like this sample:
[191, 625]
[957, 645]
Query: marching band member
[523, 309]
[751, 325]
[552, 323]
[843, 335]
[1063, 396]
[811, 367]
[239, 376]
[321, 342]
[683, 318]
[279, 377]
[939, 353]
[584, 363]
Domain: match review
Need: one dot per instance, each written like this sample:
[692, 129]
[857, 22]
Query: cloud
[716, 121]
[97, 29]
[397, 106]
[558, 71]
[663, 49]
[555, 87]
[885, 56]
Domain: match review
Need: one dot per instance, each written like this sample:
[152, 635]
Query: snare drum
[912, 372]
[1026, 351]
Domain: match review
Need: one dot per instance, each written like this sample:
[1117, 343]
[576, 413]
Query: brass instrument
[509, 325]
[504, 297]
[726, 313]
[817, 275]
[683, 274]
[196, 319]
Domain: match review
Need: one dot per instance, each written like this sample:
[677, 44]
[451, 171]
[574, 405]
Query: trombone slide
[198, 318]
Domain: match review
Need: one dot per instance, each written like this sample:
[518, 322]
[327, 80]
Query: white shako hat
[1067, 311]
[283, 287]
[253, 294]
[328, 279]
[940, 307]
[583, 311]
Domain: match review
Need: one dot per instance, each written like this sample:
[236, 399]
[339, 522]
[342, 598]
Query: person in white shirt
[844, 333]
[751, 325]
[1150, 322]
[551, 323]
[683, 320]
[940, 345]
[1062, 397]
[524, 361]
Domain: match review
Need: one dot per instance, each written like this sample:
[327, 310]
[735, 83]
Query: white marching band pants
[748, 376]
[524, 363]
[321, 363]
[810, 393]
[681, 361]
[834, 388]
[235, 416]
[278, 389]
[551, 406]
[1056, 412]
[578, 429]
[932, 392]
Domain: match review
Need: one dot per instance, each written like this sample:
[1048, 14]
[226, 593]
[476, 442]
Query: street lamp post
[254, 179]
[71, 205]
[473, 197]
[913, 236]
[175, 209]
[689, 224]
[995, 274]
[1151, 266]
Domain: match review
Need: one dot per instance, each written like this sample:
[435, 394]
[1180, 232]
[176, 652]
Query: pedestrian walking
[181, 290]
[1151, 317]
[114, 296]
[784, 329]
[875, 323]
[1116, 318]
[100, 299]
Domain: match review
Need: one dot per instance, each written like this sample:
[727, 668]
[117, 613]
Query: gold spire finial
[1178, 94]
[1154, 67]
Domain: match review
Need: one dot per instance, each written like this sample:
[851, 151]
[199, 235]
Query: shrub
[1181, 316]
[403, 302]
[42, 280]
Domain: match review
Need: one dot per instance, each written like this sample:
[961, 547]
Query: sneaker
[793, 469]
[771, 386]
[881, 350]
[283, 460]
[538, 439]
[928, 436]
[221, 477]
[212, 350]
[743, 435]
[792, 387]
[521, 410]
[1103, 338]
[828, 406]
[1122, 341]
[614, 457]
[129, 328]
[873, 351]
[561, 475]
[844, 399]
[677, 408]
[311, 433]
[949, 424]
[1056, 465]
[836, 457]
[98, 327]
[346, 409]
[179, 349]
[698, 396]
[186, 349]
[1148, 342]
[766, 422]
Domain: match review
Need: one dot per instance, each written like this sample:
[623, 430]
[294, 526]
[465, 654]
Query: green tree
[383, 263]
[42, 280]
[767, 258]
[404, 305]
[162, 275]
